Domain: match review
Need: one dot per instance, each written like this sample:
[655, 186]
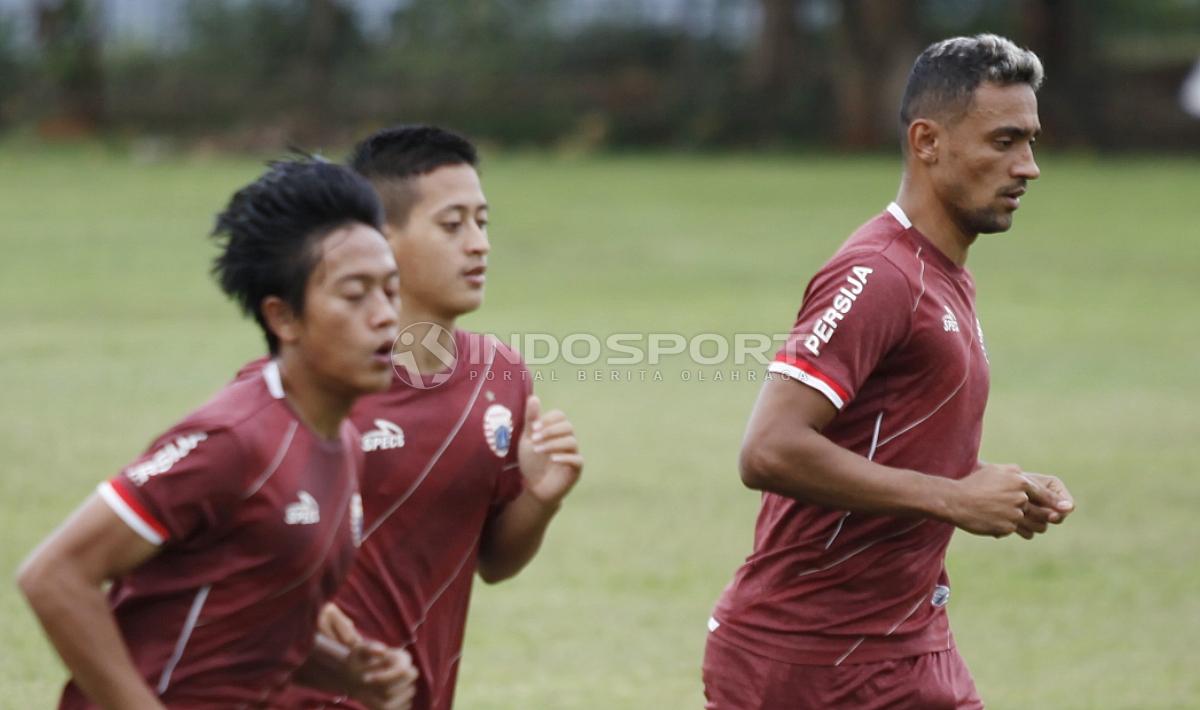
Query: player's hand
[334, 623]
[1050, 503]
[382, 678]
[548, 453]
[386, 677]
[992, 500]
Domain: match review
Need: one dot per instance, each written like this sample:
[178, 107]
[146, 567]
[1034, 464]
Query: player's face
[443, 246]
[350, 321]
[988, 158]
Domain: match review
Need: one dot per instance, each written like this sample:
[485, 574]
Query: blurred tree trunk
[776, 76]
[1060, 33]
[68, 33]
[876, 43]
[773, 61]
[319, 59]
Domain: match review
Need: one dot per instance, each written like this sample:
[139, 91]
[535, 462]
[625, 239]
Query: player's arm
[549, 457]
[62, 580]
[784, 452]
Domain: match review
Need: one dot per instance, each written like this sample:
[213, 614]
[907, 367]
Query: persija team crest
[498, 429]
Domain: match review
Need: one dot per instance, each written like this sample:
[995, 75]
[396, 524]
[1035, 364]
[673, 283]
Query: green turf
[110, 329]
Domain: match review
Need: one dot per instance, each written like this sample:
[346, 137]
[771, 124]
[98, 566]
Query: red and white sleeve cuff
[129, 510]
[803, 372]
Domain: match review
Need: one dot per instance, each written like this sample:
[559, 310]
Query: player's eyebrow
[462, 207]
[367, 278]
[1016, 132]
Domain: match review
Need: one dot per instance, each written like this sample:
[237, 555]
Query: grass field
[110, 329]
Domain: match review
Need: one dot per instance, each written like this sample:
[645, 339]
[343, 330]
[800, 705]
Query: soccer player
[464, 472]
[865, 441]
[225, 538]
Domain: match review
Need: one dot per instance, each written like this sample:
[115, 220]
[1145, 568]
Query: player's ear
[281, 319]
[924, 137]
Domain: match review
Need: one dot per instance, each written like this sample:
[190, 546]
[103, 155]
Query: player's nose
[1026, 167]
[478, 242]
[384, 311]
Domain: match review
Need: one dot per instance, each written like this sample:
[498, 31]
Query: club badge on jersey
[498, 429]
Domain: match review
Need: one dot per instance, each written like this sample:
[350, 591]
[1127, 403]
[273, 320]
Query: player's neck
[319, 407]
[423, 323]
[930, 217]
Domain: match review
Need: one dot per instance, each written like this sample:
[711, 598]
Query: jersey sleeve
[188, 481]
[856, 309]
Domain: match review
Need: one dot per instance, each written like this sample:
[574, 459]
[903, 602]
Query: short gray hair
[945, 76]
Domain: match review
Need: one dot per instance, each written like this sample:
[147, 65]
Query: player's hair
[270, 230]
[392, 157]
[944, 77]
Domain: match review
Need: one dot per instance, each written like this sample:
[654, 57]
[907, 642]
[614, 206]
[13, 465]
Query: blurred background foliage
[572, 74]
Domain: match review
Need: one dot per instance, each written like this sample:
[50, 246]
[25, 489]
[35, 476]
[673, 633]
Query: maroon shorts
[735, 679]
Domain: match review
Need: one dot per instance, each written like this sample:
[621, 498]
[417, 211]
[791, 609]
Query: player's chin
[376, 376]
[469, 301]
[998, 221]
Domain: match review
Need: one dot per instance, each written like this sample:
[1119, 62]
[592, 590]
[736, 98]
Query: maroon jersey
[257, 518]
[441, 461]
[888, 333]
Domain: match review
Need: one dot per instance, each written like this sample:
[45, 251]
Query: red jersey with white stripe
[257, 519]
[888, 333]
[441, 462]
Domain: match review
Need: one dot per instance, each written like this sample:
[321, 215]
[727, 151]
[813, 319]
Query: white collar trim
[270, 373]
[894, 210]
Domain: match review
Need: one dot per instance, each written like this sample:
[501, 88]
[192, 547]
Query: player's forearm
[813, 469]
[514, 537]
[76, 617]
